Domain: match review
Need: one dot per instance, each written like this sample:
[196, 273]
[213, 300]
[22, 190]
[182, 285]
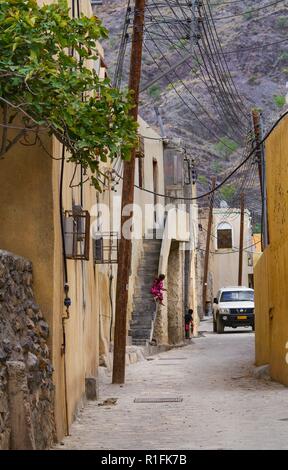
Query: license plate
[242, 317]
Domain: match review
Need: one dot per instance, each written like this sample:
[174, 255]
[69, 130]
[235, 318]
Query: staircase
[144, 306]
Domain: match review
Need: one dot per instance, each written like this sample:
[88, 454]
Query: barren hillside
[253, 36]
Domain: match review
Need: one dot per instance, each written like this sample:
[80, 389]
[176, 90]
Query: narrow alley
[225, 405]
[144, 226]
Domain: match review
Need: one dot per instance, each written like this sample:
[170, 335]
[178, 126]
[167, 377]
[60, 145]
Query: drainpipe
[67, 300]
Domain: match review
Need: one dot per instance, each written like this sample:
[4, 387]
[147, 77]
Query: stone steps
[143, 303]
[141, 333]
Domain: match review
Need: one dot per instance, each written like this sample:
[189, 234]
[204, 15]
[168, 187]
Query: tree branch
[13, 142]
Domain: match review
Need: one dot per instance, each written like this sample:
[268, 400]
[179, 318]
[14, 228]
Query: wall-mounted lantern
[77, 233]
[105, 248]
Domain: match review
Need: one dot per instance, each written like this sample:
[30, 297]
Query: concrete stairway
[143, 303]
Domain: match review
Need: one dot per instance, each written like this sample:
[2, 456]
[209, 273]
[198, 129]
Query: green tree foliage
[279, 100]
[202, 179]
[225, 147]
[46, 78]
[154, 91]
[257, 228]
[216, 167]
[227, 192]
[282, 22]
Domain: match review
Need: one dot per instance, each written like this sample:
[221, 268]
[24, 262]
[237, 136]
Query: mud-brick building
[45, 219]
[223, 265]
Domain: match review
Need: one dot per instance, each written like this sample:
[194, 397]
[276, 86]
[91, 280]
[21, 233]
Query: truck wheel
[220, 325]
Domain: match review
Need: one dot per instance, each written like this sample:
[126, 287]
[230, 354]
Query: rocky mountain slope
[253, 40]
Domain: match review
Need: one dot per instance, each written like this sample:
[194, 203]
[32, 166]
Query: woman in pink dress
[157, 289]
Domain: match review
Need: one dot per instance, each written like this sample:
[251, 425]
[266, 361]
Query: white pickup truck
[233, 306]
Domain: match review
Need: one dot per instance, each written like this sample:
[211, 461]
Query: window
[237, 296]
[173, 168]
[105, 248]
[224, 236]
[140, 172]
[77, 233]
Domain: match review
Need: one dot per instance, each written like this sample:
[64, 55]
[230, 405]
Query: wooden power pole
[242, 202]
[257, 135]
[260, 159]
[125, 245]
[207, 252]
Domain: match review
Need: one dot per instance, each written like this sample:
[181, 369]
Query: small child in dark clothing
[188, 323]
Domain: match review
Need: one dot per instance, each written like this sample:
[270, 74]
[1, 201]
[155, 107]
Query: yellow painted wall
[271, 271]
[30, 215]
[30, 226]
[261, 286]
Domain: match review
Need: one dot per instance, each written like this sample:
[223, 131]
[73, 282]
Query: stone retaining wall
[26, 387]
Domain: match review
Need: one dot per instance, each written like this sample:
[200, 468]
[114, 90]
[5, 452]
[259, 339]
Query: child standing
[188, 323]
[157, 288]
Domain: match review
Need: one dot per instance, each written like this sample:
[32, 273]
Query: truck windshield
[237, 296]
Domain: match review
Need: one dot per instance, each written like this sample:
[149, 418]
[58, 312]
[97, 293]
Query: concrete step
[149, 270]
[150, 241]
[153, 255]
[140, 311]
[139, 342]
[142, 317]
[143, 305]
[141, 333]
[151, 252]
[145, 298]
[146, 275]
[144, 292]
[144, 281]
[145, 322]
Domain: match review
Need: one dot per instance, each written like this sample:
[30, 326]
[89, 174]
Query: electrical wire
[248, 11]
[184, 85]
[225, 111]
[217, 187]
[210, 131]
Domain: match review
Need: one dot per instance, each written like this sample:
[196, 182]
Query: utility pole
[193, 244]
[125, 245]
[260, 158]
[241, 245]
[190, 192]
[190, 187]
[207, 252]
[256, 128]
[265, 229]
